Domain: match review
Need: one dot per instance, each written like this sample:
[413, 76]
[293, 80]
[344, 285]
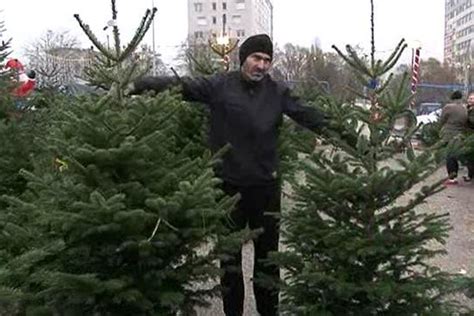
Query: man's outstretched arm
[317, 121]
[193, 89]
[306, 116]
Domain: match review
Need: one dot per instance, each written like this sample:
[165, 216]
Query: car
[79, 87]
[428, 107]
[428, 118]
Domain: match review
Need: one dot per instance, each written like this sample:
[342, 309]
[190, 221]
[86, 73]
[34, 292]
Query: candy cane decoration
[415, 74]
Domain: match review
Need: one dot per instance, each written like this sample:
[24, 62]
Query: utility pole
[467, 78]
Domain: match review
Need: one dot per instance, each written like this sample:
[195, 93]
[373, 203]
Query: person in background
[453, 125]
[470, 125]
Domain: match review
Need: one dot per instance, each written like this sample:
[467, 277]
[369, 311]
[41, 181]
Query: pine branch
[201, 68]
[420, 198]
[115, 31]
[394, 56]
[351, 62]
[357, 93]
[384, 86]
[401, 89]
[138, 37]
[377, 68]
[127, 77]
[100, 73]
[86, 28]
[363, 80]
[362, 66]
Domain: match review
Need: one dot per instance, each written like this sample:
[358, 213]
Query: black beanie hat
[456, 95]
[260, 43]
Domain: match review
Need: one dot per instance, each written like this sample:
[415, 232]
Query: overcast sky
[337, 22]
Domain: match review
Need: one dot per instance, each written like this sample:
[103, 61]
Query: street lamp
[110, 23]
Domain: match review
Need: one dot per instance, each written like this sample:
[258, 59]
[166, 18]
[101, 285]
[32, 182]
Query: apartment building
[459, 31]
[235, 18]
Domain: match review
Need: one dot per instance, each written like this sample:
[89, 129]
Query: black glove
[157, 84]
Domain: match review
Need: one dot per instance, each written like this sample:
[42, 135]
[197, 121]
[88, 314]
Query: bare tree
[147, 55]
[57, 59]
[313, 71]
[291, 61]
[439, 80]
[197, 58]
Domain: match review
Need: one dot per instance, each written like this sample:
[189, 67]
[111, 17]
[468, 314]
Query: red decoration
[15, 64]
[26, 81]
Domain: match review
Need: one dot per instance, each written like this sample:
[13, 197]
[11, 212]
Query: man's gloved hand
[157, 84]
[139, 86]
[130, 89]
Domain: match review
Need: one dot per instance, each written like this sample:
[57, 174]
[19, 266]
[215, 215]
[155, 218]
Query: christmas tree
[115, 223]
[16, 132]
[17, 152]
[5, 75]
[354, 241]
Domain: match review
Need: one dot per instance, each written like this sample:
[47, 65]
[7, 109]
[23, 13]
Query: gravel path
[457, 200]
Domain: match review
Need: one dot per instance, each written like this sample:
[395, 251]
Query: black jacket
[245, 115]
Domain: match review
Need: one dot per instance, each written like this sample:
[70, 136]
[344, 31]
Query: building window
[198, 35]
[240, 33]
[202, 20]
[224, 5]
[198, 6]
[240, 4]
[214, 20]
[214, 6]
[236, 19]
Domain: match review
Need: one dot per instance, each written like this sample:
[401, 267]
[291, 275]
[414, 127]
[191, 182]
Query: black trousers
[470, 168]
[452, 166]
[254, 203]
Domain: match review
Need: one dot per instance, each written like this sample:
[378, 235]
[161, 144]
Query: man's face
[256, 66]
[470, 100]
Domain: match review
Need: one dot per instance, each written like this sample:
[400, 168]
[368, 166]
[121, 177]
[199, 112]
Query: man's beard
[257, 76]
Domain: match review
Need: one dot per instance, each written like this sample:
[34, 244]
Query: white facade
[237, 18]
[459, 31]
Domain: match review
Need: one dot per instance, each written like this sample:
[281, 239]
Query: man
[454, 123]
[246, 109]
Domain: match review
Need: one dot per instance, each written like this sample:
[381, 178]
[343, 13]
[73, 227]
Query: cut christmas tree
[16, 134]
[355, 242]
[115, 223]
[6, 75]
